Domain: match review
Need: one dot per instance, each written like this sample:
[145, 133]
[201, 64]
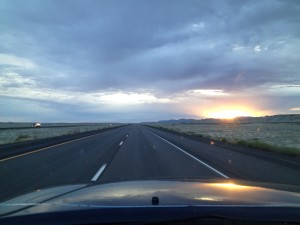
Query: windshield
[100, 92]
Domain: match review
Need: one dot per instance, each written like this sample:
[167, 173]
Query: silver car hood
[145, 194]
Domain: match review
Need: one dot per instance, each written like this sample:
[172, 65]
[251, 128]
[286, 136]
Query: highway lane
[73, 162]
[131, 153]
[144, 156]
[237, 164]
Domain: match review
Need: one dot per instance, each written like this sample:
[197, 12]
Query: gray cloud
[164, 47]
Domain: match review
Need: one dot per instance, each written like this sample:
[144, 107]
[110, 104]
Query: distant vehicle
[37, 125]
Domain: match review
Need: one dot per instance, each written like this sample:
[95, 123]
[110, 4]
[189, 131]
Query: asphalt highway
[135, 152]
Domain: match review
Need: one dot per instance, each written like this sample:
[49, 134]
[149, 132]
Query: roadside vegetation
[271, 148]
[13, 134]
[281, 138]
[23, 137]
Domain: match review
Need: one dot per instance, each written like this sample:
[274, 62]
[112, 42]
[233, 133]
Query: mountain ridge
[283, 118]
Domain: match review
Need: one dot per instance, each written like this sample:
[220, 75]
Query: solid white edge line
[99, 172]
[205, 164]
[38, 150]
[121, 143]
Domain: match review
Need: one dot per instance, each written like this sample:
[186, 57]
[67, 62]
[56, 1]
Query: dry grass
[278, 137]
[18, 135]
[23, 137]
[268, 147]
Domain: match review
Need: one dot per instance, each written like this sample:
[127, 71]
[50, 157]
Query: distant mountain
[179, 121]
[289, 118]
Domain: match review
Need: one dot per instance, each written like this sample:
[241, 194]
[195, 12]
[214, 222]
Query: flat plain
[17, 132]
[275, 134]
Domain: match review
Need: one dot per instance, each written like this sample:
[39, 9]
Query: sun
[228, 114]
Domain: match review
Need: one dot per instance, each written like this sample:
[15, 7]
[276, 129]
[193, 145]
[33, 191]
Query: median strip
[38, 150]
[203, 163]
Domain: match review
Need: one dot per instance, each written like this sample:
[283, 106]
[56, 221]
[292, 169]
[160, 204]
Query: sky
[136, 60]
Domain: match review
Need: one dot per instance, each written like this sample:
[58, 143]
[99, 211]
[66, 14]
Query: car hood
[158, 193]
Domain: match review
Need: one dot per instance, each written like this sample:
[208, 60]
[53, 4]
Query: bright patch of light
[12, 60]
[228, 114]
[130, 98]
[30, 90]
[208, 199]
[196, 26]
[257, 48]
[285, 89]
[14, 79]
[229, 186]
[295, 109]
[237, 47]
[209, 92]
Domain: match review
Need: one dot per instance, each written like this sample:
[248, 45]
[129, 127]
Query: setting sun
[228, 114]
[231, 111]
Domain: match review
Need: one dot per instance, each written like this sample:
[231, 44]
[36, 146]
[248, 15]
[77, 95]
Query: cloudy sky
[135, 60]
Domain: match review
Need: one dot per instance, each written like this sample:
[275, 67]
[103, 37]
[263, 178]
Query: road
[134, 152]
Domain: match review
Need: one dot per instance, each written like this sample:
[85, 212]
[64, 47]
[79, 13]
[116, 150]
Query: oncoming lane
[69, 163]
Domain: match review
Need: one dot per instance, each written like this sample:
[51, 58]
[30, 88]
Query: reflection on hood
[141, 193]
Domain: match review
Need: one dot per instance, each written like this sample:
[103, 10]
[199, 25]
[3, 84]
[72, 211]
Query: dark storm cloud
[95, 45]
[89, 57]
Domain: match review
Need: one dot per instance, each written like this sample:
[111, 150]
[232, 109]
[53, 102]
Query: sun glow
[229, 186]
[228, 114]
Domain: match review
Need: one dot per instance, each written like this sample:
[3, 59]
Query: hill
[288, 118]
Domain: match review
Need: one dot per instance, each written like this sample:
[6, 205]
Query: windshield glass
[100, 92]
